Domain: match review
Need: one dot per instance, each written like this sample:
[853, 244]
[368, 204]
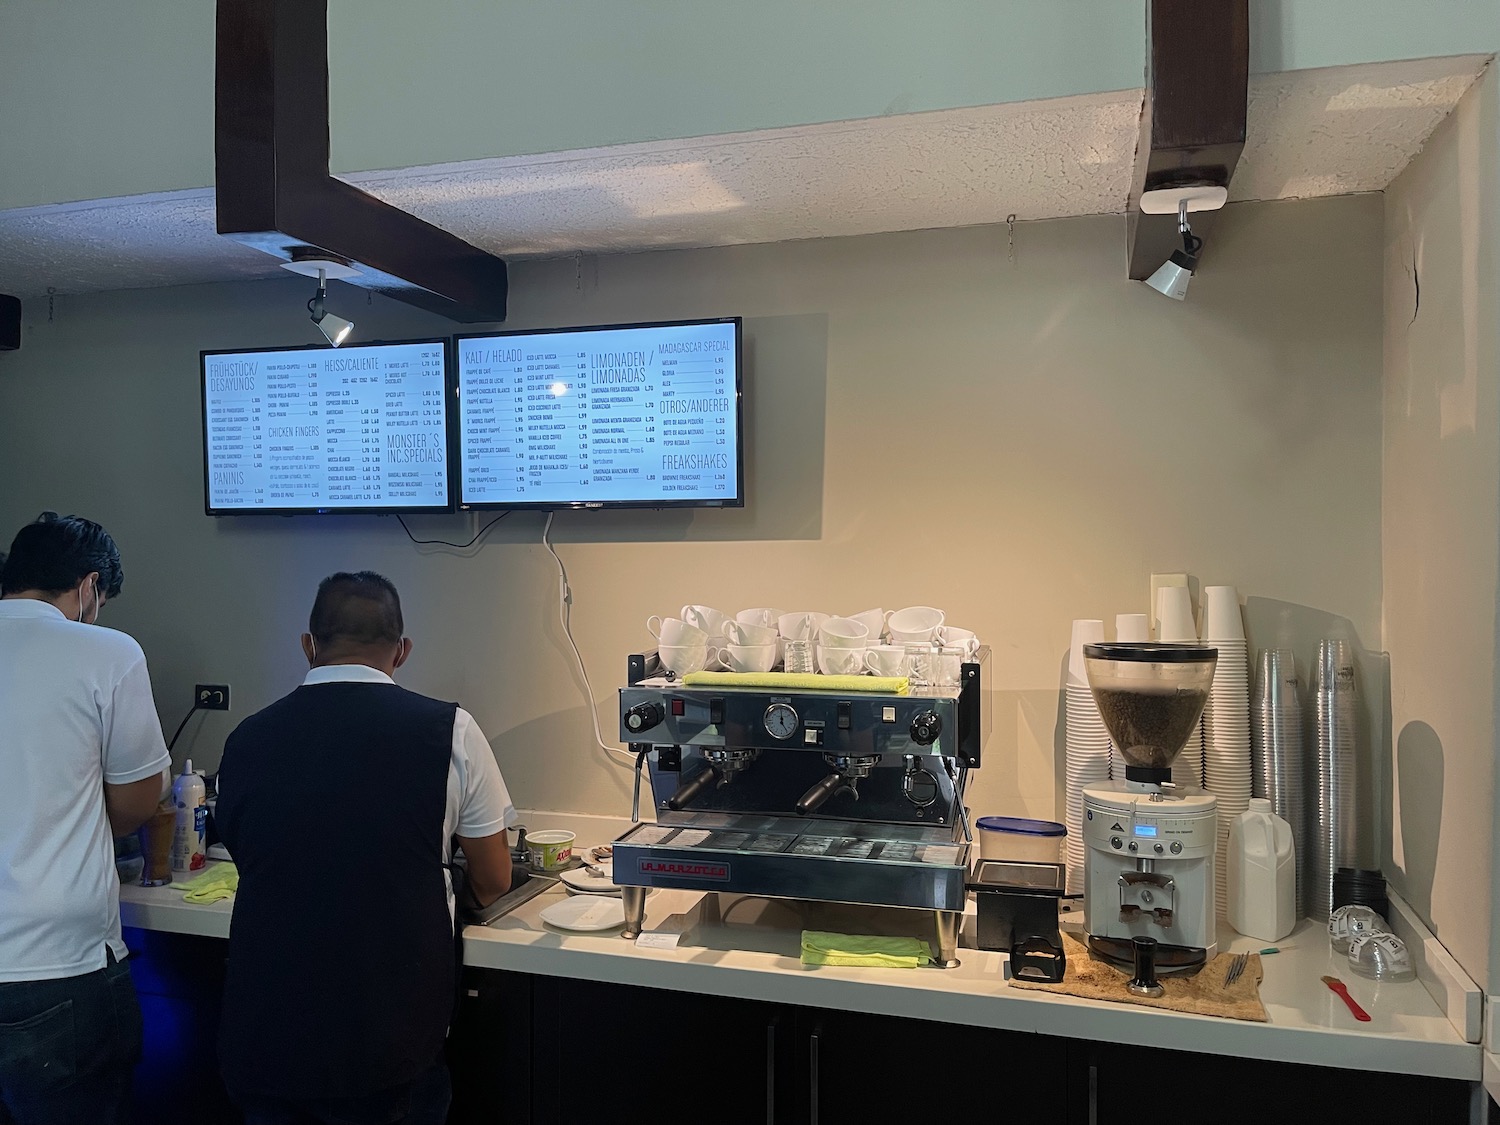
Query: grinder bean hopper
[1150, 844]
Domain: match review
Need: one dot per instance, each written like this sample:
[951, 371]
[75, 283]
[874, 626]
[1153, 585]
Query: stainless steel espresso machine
[853, 797]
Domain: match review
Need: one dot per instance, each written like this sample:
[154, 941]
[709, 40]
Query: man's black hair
[355, 609]
[54, 552]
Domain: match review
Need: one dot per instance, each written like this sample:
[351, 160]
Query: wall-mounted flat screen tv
[627, 415]
[361, 428]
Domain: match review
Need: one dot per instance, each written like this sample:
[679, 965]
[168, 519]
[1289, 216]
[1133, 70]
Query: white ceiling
[1310, 133]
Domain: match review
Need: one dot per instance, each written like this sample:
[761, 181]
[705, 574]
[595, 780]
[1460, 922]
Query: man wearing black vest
[338, 803]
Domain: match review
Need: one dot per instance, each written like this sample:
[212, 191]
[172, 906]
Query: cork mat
[1202, 993]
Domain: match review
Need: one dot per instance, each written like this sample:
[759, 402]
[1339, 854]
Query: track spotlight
[335, 328]
[1172, 277]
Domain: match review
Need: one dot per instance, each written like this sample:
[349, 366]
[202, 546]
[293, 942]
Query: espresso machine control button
[1134, 847]
[1157, 848]
[643, 716]
[1176, 846]
[846, 715]
[1116, 843]
[716, 712]
[812, 736]
[925, 728]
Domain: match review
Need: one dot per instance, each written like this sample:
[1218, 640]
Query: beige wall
[1018, 442]
[1440, 520]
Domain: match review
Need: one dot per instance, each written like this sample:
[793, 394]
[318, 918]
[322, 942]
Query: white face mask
[95, 616]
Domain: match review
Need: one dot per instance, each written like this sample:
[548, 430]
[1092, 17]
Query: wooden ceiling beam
[273, 190]
[1193, 119]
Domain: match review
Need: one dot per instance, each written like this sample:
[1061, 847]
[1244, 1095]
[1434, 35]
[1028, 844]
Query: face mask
[95, 616]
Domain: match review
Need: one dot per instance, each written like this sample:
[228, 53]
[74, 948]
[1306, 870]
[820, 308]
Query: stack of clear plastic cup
[1332, 822]
[1277, 758]
[1087, 745]
[1226, 720]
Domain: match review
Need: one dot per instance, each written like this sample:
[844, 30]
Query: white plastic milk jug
[1261, 880]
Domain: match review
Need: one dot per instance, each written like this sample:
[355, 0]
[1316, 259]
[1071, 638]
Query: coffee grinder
[1150, 844]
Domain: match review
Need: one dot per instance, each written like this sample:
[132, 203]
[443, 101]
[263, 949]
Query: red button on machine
[679, 708]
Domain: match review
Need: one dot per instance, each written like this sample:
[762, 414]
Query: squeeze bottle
[1261, 880]
[190, 799]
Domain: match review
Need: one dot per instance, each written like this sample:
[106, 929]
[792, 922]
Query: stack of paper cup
[1174, 625]
[1277, 758]
[1333, 827]
[1130, 628]
[1226, 719]
[1087, 744]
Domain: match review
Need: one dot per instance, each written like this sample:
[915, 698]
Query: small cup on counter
[156, 845]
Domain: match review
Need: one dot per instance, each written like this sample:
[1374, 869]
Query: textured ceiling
[1310, 133]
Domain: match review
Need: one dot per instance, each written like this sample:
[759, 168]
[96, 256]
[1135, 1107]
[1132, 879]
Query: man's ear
[309, 649]
[403, 653]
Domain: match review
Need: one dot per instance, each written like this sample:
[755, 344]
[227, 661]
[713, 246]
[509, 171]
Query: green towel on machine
[821, 948]
[806, 681]
[219, 881]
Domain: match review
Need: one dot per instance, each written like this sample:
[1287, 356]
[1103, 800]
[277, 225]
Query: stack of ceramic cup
[1277, 759]
[1174, 625]
[1087, 745]
[1332, 832]
[1226, 719]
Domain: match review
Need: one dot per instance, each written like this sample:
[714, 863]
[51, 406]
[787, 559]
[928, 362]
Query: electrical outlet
[211, 697]
[1157, 582]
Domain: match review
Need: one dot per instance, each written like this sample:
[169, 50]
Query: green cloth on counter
[219, 881]
[821, 948]
[806, 681]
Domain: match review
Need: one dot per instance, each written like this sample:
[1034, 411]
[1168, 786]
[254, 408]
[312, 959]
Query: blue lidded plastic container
[1017, 838]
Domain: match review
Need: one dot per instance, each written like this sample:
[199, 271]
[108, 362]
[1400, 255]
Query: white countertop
[751, 951]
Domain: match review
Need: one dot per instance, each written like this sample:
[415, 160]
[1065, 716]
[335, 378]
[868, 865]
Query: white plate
[582, 879]
[585, 913]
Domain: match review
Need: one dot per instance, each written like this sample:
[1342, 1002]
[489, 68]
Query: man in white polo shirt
[81, 760]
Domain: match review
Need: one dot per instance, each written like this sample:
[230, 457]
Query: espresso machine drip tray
[817, 795]
[783, 857]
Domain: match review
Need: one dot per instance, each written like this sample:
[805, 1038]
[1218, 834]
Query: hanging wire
[1010, 248]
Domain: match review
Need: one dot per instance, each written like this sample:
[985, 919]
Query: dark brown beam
[273, 190]
[10, 323]
[1193, 119]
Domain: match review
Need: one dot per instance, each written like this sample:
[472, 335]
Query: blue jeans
[68, 1047]
[421, 1102]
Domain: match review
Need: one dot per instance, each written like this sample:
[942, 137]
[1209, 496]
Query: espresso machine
[850, 797]
[1150, 844]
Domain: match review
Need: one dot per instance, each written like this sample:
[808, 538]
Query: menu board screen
[640, 415]
[319, 429]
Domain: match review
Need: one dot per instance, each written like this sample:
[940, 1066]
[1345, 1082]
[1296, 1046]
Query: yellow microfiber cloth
[821, 948]
[805, 681]
[219, 881]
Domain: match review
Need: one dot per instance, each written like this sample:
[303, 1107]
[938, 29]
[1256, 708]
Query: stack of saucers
[1087, 745]
[1226, 719]
[1174, 625]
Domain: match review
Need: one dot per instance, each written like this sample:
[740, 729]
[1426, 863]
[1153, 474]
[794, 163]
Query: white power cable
[564, 598]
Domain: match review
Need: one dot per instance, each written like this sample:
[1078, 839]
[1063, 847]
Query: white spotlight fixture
[1172, 277]
[335, 328]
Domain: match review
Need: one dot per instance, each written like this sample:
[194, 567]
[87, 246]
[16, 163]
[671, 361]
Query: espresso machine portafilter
[853, 797]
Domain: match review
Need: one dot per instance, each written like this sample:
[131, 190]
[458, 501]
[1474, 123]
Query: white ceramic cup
[705, 617]
[801, 625]
[748, 658]
[915, 623]
[766, 617]
[741, 633]
[841, 661]
[675, 631]
[843, 632]
[873, 620]
[959, 638]
[684, 659]
[886, 660]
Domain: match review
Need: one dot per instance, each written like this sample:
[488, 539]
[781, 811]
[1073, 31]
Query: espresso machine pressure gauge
[781, 721]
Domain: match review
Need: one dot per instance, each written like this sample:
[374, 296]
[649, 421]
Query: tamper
[1144, 983]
